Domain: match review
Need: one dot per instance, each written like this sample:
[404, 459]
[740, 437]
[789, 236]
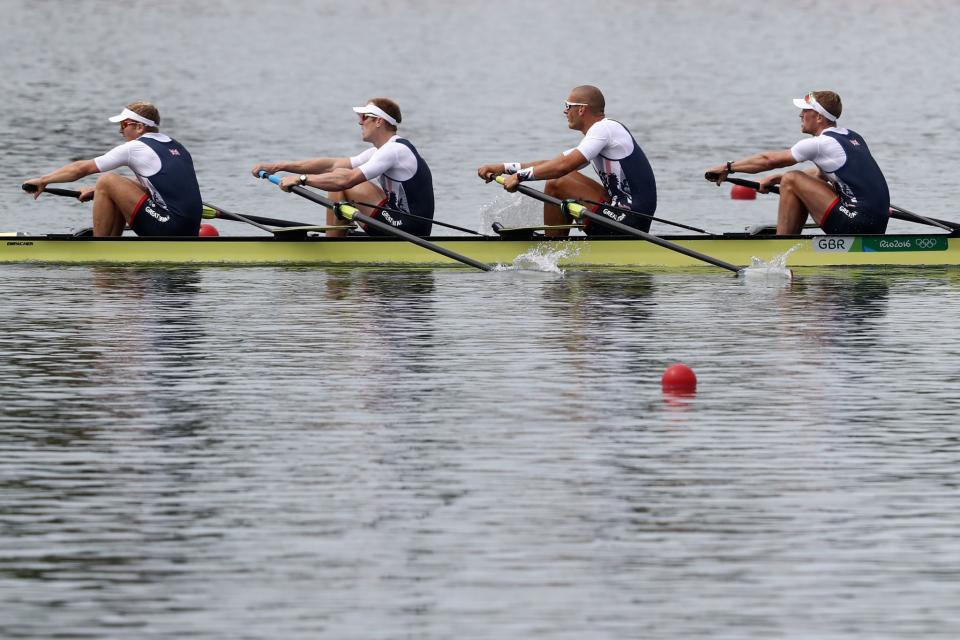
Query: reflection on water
[304, 450]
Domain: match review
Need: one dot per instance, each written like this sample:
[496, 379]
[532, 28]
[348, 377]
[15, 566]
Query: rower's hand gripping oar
[895, 211]
[578, 211]
[353, 214]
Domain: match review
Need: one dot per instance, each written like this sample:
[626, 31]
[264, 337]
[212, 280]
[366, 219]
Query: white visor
[374, 110]
[126, 114]
[809, 102]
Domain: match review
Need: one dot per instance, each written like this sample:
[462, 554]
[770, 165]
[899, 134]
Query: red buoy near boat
[740, 192]
[679, 378]
[208, 231]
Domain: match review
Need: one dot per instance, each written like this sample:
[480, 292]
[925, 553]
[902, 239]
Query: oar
[240, 218]
[410, 215]
[610, 207]
[354, 214]
[212, 211]
[579, 211]
[54, 191]
[902, 214]
[895, 211]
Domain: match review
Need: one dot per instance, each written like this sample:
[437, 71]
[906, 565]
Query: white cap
[126, 114]
[373, 110]
[809, 102]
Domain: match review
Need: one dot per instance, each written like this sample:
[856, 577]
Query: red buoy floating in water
[679, 378]
[740, 192]
[208, 230]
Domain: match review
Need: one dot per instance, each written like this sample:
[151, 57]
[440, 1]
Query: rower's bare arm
[67, 173]
[308, 166]
[763, 161]
[337, 180]
[547, 169]
[559, 166]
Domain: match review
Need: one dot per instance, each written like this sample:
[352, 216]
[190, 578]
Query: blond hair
[391, 108]
[147, 110]
[829, 101]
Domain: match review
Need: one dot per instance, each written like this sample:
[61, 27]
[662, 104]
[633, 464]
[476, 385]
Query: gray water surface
[433, 453]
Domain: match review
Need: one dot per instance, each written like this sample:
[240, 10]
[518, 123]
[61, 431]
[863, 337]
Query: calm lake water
[436, 453]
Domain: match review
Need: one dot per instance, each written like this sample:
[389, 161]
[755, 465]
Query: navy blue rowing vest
[176, 182]
[859, 181]
[413, 196]
[632, 185]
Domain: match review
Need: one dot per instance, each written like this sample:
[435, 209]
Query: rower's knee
[552, 188]
[107, 181]
[789, 181]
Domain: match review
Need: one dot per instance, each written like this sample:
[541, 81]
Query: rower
[845, 192]
[163, 201]
[405, 182]
[626, 178]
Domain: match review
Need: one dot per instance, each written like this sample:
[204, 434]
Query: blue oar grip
[274, 178]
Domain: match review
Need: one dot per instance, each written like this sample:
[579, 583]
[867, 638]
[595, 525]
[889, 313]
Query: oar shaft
[303, 192]
[273, 222]
[902, 214]
[240, 218]
[409, 237]
[416, 217]
[622, 228]
[611, 207]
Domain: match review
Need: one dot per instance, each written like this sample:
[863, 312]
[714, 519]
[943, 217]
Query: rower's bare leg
[802, 194]
[114, 200]
[363, 192]
[572, 185]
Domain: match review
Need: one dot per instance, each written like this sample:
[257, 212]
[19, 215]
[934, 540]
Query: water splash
[544, 258]
[510, 210]
[775, 269]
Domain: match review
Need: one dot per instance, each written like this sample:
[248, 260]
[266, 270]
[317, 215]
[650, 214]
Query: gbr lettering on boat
[833, 244]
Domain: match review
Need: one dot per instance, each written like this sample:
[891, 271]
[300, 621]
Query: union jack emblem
[174, 152]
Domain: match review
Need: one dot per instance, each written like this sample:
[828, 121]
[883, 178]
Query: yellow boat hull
[805, 251]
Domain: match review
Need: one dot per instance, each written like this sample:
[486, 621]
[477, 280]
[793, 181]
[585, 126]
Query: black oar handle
[750, 184]
[54, 191]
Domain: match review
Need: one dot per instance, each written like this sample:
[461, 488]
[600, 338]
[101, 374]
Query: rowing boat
[737, 248]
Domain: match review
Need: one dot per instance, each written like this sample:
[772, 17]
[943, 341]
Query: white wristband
[525, 174]
[511, 168]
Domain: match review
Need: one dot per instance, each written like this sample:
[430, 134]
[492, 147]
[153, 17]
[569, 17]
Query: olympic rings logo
[926, 243]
